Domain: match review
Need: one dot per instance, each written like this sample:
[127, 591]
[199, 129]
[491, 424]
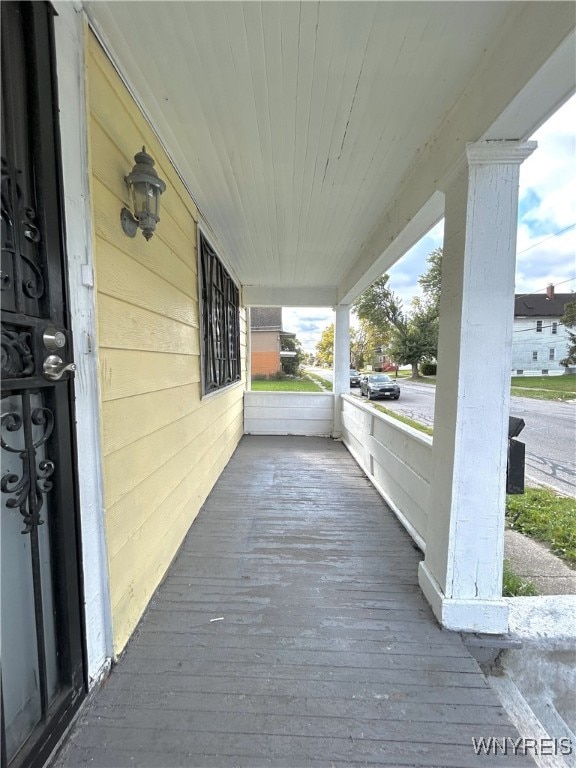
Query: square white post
[462, 573]
[341, 383]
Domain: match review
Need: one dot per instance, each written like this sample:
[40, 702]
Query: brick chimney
[550, 291]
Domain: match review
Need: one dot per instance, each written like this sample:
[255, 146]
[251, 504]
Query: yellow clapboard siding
[130, 466]
[126, 372]
[128, 607]
[126, 420]
[143, 563]
[131, 511]
[109, 168]
[112, 106]
[155, 256]
[127, 468]
[145, 552]
[129, 419]
[120, 276]
[125, 326]
[163, 445]
[183, 500]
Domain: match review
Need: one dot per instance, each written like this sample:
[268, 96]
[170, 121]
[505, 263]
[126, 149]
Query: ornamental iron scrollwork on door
[20, 235]
[27, 491]
[42, 676]
[17, 357]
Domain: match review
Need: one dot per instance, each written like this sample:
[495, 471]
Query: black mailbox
[516, 456]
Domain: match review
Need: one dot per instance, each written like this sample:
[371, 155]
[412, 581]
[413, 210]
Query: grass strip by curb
[514, 585]
[405, 420]
[320, 380]
[541, 394]
[546, 517]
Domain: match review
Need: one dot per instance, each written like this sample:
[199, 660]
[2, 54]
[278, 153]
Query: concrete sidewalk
[534, 562]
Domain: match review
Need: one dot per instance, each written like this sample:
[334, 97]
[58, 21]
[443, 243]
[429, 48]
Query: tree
[411, 338]
[414, 339]
[568, 320]
[291, 365]
[363, 344]
[431, 280]
[309, 358]
[379, 307]
[325, 347]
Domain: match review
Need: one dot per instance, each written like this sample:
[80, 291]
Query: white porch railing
[396, 458]
[289, 413]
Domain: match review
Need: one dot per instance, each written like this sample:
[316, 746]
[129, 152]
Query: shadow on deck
[291, 631]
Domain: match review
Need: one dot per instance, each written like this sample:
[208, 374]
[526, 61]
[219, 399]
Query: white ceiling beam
[363, 274]
[277, 296]
[550, 87]
[536, 44]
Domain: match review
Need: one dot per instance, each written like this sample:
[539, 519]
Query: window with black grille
[220, 322]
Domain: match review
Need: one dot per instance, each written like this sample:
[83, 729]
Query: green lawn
[535, 387]
[326, 386]
[542, 515]
[405, 419]
[545, 387]
[285, 385]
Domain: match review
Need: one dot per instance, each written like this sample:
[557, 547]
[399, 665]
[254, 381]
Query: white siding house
[539, 340]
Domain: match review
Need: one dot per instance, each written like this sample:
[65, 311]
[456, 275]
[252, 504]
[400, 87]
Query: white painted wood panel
[288, 413]
[396, 459]
[73, 123]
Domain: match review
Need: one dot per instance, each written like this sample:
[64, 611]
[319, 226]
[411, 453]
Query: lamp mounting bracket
[129, 223]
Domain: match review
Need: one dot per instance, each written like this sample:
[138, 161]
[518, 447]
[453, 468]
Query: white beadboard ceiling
[295, 124]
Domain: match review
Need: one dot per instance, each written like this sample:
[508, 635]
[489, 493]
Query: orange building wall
[265, 356]
[265, 363]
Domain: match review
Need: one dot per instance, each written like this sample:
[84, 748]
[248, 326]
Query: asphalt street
[549, 434]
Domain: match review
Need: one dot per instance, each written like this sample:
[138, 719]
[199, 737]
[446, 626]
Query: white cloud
[307, 323]
[405, 273]
[546, 253]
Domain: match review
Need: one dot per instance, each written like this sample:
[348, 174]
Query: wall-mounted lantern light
[145, 187]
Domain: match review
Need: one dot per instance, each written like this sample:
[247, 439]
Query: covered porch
[291, 631]
[303, 148]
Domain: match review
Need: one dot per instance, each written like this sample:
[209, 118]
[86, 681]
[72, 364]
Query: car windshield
[353, 372]
[380, 379]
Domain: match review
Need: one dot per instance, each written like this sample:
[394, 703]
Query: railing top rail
[390, 420]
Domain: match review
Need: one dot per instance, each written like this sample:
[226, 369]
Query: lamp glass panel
[146, 199]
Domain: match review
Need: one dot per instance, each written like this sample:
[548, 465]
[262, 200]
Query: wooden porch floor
[291, 631]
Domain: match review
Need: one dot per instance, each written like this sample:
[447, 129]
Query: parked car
[354, 378]
[379, 385]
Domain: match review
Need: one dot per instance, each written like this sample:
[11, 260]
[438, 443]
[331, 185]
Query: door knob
[54, 367]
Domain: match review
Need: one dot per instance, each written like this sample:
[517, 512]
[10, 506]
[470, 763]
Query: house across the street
[539, 340]
[266, 336]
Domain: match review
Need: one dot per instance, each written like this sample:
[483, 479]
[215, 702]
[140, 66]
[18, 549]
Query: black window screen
[220, 322]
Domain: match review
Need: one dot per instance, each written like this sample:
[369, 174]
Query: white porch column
[462, 573]
[341, 362]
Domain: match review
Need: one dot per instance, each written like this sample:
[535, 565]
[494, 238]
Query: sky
[546, 242]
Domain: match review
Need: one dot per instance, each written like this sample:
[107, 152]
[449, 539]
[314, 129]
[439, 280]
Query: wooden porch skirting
[291, 631]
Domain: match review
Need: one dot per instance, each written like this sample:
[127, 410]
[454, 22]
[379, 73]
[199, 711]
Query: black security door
[42, 670]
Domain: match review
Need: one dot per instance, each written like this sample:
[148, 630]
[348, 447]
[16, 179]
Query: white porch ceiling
[298, 126]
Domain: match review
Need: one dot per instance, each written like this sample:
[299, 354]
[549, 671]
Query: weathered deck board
[325, 653]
